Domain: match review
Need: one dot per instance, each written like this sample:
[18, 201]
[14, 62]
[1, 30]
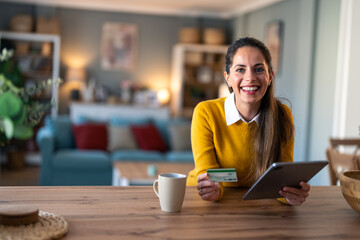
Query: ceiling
[194, 8]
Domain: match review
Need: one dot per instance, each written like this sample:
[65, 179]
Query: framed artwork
[274, 41]
[118, 46]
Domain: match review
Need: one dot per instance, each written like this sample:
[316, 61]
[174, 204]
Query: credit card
[222, 174]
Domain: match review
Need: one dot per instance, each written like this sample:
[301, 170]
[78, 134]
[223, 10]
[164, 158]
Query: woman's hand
[208, 190]
[295, 196]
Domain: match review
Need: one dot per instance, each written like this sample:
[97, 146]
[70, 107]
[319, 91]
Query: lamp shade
[75, 74]
[163, 96]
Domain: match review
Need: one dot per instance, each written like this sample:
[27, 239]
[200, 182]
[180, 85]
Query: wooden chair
[340, 162]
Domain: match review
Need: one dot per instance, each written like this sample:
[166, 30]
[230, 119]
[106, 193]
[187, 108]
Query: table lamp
[163, 96]
[75, 75]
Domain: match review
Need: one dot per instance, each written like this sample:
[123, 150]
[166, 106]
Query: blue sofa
[63, 164]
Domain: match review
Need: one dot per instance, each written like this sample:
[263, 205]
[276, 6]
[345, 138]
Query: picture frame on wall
[118, 46]
[274, 41]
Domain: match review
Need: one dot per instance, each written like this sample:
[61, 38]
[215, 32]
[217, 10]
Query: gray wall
[323, 90]
[307, 75]
[81, 34]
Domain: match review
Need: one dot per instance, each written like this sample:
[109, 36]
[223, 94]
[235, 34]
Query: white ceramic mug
[170, 189]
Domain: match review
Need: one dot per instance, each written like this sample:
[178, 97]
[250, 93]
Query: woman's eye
[240, 70]
[259, 70]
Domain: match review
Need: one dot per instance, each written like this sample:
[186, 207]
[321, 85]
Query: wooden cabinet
[37, 58]
[197, 73]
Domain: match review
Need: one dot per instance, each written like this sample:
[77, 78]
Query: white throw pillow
[120, 138]
[180, 136]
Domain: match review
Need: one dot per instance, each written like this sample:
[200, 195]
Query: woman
[249, 130]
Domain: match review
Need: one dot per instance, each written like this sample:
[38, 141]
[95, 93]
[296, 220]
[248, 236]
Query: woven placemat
[49, 226]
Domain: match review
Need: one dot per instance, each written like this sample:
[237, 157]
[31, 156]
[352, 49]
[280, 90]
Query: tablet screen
[282, 174]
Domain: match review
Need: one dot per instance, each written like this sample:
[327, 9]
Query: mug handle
[155, 187]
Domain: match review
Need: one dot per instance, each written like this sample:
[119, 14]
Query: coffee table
[136, 173]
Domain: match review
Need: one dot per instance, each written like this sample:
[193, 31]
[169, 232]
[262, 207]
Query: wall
[81, 37]
[323, 87]
[307, 75]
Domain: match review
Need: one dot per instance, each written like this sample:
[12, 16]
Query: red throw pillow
[148, 137]
[90, 136]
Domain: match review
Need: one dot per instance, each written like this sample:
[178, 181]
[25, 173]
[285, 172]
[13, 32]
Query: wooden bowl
[350, 187]
[20, 214]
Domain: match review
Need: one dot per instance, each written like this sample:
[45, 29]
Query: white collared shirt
[232, 115]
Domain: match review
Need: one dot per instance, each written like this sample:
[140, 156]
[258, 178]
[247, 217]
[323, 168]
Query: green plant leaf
[23, 132]
[2, 80]
[8, 127]
[10, 104]
[12, 72]
[20, 117]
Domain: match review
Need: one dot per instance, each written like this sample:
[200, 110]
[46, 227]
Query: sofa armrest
[46, 142]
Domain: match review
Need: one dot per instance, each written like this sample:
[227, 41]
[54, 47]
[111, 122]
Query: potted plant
[19, 113]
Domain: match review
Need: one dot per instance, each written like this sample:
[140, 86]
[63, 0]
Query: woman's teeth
[249, 88]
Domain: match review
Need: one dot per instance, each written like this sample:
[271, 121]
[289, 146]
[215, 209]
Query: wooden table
[134, 213]
[136, 173]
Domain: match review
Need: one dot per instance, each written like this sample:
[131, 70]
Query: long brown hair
[275, 126]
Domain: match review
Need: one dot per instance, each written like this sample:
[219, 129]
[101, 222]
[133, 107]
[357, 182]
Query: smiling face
[249, 77]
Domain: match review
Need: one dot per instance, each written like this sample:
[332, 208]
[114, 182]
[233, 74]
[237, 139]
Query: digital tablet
[281, 174]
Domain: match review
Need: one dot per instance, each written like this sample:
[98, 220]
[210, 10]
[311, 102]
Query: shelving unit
[197, 72]
[38, 59]
[33, 63]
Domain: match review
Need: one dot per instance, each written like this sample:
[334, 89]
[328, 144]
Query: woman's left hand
[295, 196]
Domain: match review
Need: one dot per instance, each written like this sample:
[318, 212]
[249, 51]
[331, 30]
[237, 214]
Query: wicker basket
[48, 226]
[189, 35]
[350, 187]
[214, 36]
[21, 23]
[47, 25]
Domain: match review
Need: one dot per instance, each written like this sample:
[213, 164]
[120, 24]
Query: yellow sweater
[216, 145]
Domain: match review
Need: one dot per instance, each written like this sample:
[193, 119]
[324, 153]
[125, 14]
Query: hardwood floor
[27, 176]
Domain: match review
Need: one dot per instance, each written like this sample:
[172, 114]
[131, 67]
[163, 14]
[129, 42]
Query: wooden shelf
[32, 55]
[36, 75]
